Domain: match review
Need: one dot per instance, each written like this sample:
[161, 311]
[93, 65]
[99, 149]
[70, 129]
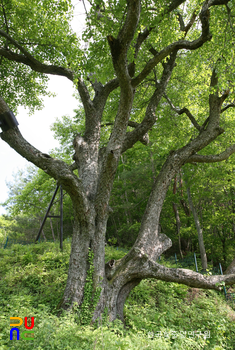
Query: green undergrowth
[158, 315]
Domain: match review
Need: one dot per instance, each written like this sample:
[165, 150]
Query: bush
[158, 315]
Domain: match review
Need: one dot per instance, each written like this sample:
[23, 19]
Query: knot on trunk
[162, 245]
[109, 266]
[141, 253]
[44, 155]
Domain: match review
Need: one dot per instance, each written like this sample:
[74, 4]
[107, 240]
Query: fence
[188, 261]
[10, 241]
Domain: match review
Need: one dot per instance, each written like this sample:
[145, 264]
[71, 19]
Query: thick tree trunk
[90, 280]
[115, 279]
[112, 294]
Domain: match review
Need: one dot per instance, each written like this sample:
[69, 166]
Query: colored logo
[18, 333]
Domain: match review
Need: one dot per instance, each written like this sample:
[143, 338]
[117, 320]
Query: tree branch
[183, 27]
[102, 94]
[141, 266]
[27, 59]
[150, 117]
[145, 138]
[151, 269]
[181, 44]
[184, 110]
[127, 31]
[119, 46]
[148, 237]
[218, 2]
[142, 36]
[197, 158]
[228, 106]
[110, 158]
[6, 23]
[174, 4]
[56, 168]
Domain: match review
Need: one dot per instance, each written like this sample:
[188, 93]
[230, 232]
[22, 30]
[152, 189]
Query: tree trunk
[199, 231]
[231, 268]
[113, 281]
[91, 283]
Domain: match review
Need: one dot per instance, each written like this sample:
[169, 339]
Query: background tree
[133, 49]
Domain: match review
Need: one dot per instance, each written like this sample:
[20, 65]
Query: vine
[91, 296]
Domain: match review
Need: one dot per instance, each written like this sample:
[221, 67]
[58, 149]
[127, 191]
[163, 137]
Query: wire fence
[190, 261]
[9, 242]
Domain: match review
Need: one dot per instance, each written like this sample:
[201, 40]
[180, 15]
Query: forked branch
[184, 110]
[181, 44]
[150, 116]
[185, 28]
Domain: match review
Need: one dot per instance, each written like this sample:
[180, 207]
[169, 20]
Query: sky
[36, 128]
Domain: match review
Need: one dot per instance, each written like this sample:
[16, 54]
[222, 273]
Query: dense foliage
[156, 313]
[155, 80]
[212, 189]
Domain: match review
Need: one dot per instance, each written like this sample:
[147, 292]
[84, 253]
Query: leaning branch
[231, 105]
[184, 110]
[151, 269]
[197, 158]
[139, 265]
[56, 168]
[26, 58]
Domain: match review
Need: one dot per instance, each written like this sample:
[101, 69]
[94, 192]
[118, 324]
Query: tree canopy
[145, 72]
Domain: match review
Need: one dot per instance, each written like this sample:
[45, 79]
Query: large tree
[140, 59]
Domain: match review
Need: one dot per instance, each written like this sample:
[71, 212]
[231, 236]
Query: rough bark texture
[90, 191]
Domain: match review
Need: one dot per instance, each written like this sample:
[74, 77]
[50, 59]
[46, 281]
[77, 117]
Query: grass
[158, 315]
